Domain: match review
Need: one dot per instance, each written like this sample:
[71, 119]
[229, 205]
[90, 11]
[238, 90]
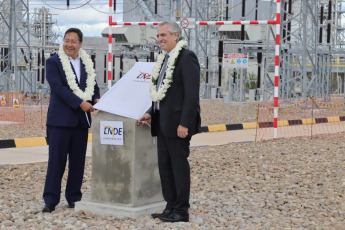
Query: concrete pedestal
[125, 180]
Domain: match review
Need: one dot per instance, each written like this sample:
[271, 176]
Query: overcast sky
[91, 16]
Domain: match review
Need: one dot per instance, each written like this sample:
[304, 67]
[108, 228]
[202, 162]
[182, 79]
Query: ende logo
[111, 132]
[142, 77]
[108, 130]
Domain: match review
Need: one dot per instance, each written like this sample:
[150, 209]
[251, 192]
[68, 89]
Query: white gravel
[284, 184]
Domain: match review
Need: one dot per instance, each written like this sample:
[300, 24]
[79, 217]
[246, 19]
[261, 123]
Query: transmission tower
[311, 42]
[42, 27]
[15, 46]
[44, 41]
[339, 44]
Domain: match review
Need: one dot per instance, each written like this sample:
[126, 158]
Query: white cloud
[89, 30]
[83, 15]
[90, 21]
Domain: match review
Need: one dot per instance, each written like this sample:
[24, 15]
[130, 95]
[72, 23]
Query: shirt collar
[171, 52]
[71, 59]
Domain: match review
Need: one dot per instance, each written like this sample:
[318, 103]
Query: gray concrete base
[119, 211]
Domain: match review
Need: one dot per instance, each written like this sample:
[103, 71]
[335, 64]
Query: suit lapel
[75, 74]
[82, 83]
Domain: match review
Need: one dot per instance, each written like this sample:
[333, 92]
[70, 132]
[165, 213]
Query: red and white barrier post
[276, 71]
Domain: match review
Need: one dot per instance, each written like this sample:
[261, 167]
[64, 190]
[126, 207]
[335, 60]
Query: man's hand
[86, 107]
[95, 101]
[145, 119]
[182, 131]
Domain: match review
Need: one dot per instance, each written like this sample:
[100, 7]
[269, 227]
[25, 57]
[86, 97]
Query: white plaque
[111, 132]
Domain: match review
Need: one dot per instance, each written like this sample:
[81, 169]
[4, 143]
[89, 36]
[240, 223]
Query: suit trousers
[65, 142]
[174, 171]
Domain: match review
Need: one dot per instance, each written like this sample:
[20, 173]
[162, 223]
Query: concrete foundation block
[125, 178]
[118, 211]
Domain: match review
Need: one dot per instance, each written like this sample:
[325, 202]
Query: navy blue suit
[67, 133]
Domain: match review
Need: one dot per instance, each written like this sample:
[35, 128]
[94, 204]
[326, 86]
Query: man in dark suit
[174, 118]
[74, 90]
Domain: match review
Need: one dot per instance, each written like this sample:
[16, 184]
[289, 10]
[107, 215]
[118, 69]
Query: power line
[53, 6]
[103, 12]
[49, 5]
[38, 2]
[137, 5]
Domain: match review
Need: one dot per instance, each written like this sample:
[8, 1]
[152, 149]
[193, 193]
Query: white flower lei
[71, 78]
[160, 94]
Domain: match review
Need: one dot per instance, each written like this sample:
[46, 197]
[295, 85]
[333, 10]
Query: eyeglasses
[73, 42]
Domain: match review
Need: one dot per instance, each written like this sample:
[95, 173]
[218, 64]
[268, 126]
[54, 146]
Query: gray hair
[173, 28]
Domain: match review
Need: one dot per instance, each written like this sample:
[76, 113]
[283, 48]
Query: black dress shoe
[175, 217]
[71, 204]
[166, 212]
[48, 208]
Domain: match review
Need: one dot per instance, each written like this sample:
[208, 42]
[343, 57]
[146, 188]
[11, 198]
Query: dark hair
[77, 31]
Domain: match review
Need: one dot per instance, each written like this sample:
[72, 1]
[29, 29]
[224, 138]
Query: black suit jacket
[181, 105]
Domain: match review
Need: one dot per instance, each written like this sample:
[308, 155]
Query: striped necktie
[162, 73]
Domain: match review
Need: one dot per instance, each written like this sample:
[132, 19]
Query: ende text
[113, 131]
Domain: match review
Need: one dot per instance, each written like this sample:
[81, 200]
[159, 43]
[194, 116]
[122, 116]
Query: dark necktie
[162, 73]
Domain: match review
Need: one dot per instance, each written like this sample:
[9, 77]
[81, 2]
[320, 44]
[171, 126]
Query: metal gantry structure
[204, 40]
[15, 45]
[41, 23]
[312, 46]
[25, 39]
[312, 56]
[312, 49]
[46, 42]
[209, 42]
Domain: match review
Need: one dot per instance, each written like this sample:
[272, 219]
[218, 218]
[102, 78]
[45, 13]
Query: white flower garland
[161, 93]
[71, 78]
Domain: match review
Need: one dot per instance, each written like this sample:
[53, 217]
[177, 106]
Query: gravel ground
[213, 112]
[283, 184]
[296, 183]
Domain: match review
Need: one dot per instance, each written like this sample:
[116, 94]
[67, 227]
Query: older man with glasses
[74, 90]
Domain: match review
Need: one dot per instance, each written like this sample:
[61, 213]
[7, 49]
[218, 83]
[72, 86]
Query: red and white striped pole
[110, 47]
[134, 23]
[209, 23]
[276, 71]
[202, 23]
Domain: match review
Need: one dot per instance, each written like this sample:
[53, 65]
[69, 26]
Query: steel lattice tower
[204, 39]
[311, 47]
[305, 59]
[15, 45]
